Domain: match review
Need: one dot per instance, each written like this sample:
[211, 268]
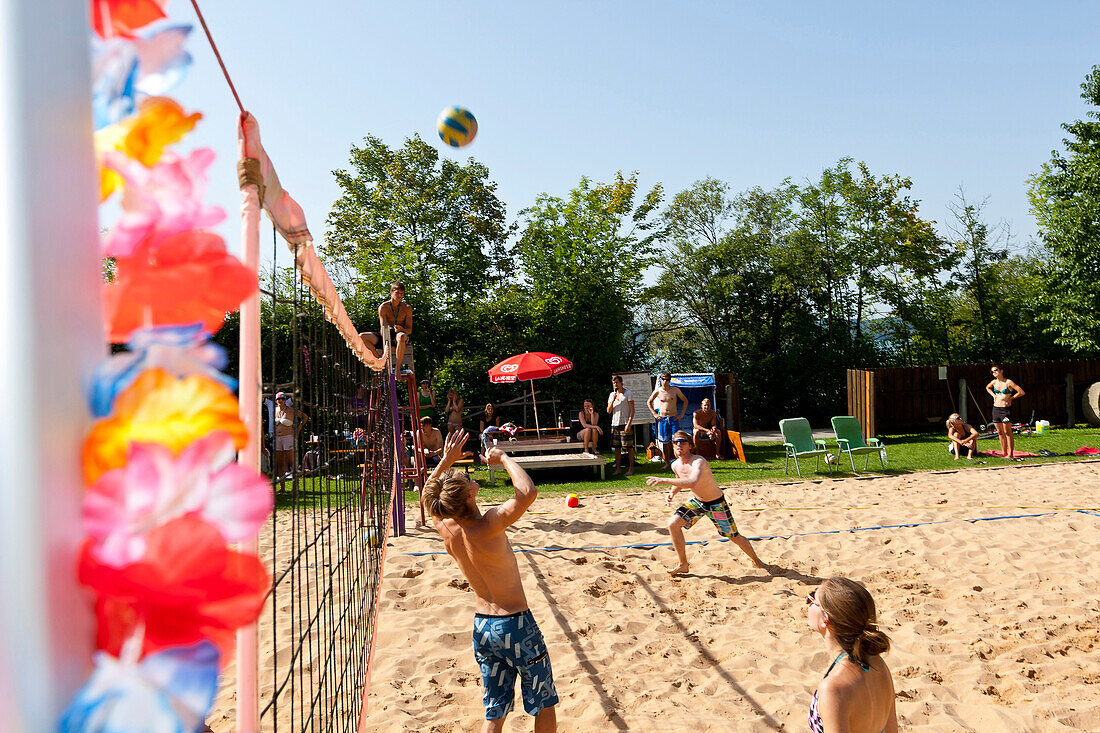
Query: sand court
[994, 623]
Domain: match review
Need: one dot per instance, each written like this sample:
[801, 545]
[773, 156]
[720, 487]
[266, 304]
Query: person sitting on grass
[693, 472]
[590, 430]
[507, 640]
[962, 435]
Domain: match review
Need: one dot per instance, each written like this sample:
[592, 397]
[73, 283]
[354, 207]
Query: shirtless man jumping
[397, 315]
[507, 641]
[693, 472]
[666, 412]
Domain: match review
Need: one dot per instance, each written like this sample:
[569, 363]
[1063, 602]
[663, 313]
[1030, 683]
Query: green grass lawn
[905, 454]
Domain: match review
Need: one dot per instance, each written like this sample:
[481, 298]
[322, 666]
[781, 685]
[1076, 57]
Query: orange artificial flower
[182, 279]
[112, 18]
[160, 123]
[161, 408]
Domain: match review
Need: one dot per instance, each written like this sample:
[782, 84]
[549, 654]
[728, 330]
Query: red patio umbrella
[530, 365]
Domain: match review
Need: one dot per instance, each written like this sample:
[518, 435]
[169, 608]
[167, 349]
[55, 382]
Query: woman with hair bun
[856, 694]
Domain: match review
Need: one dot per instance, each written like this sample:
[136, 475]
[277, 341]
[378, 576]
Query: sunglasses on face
[811, 600]
[679, 440]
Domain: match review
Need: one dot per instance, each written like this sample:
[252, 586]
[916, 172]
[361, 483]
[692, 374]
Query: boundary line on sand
[648, 545]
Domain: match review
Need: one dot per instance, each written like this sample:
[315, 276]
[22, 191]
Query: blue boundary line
[1085, 511]
[771, 536]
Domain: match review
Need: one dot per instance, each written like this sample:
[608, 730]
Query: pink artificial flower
[155, 487]
[160, 201]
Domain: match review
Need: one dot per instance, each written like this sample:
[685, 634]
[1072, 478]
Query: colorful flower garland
[165, 495]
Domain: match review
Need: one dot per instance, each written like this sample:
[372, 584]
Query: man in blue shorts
[507, 641]
[693, 472]
[664, 404]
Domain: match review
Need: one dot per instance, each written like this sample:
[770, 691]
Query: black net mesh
[328, 447]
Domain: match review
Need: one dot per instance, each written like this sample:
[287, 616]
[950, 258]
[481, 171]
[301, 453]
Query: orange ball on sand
[573, 501]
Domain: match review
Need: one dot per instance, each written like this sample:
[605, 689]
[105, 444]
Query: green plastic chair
[849, 439]
[799, 443]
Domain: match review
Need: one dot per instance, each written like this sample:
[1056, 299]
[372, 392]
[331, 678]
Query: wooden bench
[530, 446]
[556, 454]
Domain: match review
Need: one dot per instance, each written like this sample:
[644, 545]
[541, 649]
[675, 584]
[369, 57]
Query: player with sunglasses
[664, 404]
[693, 472]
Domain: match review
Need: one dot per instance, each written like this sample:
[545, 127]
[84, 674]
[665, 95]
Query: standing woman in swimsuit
[426, 397]
[1003, 391]
[455, 405]
[857, 693]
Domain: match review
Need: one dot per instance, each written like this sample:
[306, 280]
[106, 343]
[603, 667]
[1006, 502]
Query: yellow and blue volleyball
[457, 126]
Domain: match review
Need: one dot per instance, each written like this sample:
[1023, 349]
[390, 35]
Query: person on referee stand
[397, 315]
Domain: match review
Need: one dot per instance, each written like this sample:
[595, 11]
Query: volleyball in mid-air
[457, 126]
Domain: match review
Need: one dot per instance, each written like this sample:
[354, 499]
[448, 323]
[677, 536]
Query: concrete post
[1071, 404]
[51, 337]
[964, 404]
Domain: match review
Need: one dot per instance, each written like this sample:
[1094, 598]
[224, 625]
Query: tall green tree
[1065, 199]
[981, 252]
[407, 214]
[581, 259]
[435, 223]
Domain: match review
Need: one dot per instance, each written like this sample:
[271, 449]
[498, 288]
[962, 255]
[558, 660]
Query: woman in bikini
[857, 693]
[455, 405]
[1003, 391]
[962, 435]
[590, 430]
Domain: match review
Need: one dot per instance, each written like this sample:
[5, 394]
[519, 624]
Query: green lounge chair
[798, 442]
[849, 439]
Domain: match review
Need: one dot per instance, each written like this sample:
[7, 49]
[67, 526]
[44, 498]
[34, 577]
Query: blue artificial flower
[170, 691]
[125, 71]
[180, 350]
[114, 72]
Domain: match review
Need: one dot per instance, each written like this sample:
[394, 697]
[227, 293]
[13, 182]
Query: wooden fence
[861, 399]
[920, 398]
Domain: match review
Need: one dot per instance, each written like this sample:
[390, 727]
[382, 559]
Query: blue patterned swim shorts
[507, 646]
[666, 427]
[718, 511]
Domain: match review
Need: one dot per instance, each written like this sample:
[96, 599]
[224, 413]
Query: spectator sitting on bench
[590, 431]
[431, 442]
[706, 428]
[490, 423]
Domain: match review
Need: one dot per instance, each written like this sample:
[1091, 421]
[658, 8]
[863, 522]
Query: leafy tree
[406, 214]
[581, 259]
[1065, 199]
[733, 294]
[981, 253]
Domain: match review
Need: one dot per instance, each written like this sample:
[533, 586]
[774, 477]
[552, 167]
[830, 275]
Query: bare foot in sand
[681, 570]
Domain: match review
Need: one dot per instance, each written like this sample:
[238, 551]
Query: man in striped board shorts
[693, 472]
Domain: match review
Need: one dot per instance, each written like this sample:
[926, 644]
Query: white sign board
[640, 385]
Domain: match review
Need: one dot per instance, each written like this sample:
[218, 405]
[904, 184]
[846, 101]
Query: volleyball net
[326, 423]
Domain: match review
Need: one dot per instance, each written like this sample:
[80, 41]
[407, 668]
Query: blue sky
[950, 94]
